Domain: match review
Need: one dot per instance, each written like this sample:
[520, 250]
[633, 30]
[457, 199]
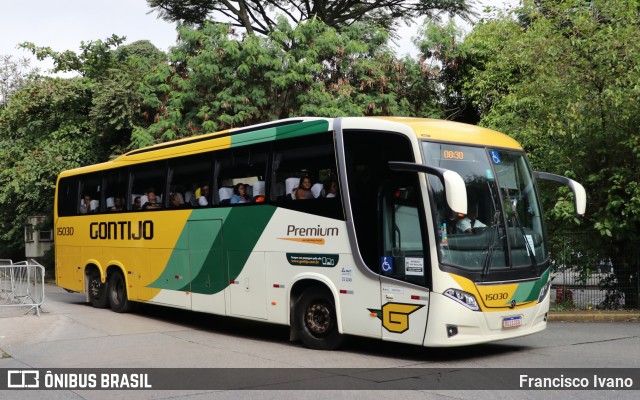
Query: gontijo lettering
[121, 230]
[293, 230]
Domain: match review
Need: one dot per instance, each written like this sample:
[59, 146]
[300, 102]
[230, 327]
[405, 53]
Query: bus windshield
[503, 225]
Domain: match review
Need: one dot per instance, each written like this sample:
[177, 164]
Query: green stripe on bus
[243, 139]
[244, 228]
[281, 132]
[203, 266]
[529, 291]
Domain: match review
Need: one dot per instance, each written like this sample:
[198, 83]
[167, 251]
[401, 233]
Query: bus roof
[455, 132]
[424, 129]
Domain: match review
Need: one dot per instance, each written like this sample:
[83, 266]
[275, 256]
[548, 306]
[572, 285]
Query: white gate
[22, 284]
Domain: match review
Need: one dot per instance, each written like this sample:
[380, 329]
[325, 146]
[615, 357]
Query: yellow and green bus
[418, 231]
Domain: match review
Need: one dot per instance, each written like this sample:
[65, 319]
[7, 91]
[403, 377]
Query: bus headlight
[544, 291]
[466, 299]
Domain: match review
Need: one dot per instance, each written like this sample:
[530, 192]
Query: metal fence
[585, 275]
[22, 285]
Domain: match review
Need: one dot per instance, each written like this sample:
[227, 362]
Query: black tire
[117, 289]
[315, 320]
[97, 290]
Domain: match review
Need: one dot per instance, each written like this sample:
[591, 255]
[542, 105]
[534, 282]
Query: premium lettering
[292, 230]
[121, 230]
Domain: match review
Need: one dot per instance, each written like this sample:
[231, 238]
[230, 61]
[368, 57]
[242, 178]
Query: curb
[591, 316]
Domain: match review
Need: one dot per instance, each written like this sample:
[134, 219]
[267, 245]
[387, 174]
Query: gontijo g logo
[395, 316]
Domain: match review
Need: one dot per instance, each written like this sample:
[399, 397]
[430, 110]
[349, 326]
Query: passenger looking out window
[239, 194]
[136, 204]
[174, 201]
[303, 192]
[85, 207]
[117, 204]
[152, 202]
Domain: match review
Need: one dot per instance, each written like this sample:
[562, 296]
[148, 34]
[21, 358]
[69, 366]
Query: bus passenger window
[302, 169]
[148, 183]
[67, 196]
[240, 175]
[115, 187]
[187, 176]
[90, 192]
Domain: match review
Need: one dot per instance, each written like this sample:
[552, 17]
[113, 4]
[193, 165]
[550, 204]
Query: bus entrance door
[403, 267]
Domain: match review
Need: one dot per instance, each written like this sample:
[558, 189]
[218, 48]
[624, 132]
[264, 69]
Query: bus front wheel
[97, 290]
[117, 289]
[316, 320]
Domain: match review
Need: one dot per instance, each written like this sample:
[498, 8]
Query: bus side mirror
[454, 187]
[579, 194]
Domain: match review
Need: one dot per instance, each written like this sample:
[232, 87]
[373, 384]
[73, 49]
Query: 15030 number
[496, 296]
[65, 231]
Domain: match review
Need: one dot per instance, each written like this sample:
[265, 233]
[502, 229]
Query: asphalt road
[71, 334]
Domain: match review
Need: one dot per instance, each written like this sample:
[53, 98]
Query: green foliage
[43, 130]
[215, 80]
[614, 297]
[567, 305]
[54, 124]
[116, 103]
[94, 59]
[565, 85]
[561, 77]
[442, 64]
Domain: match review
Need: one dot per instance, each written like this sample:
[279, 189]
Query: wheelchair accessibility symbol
[495, 156]
[387, 264]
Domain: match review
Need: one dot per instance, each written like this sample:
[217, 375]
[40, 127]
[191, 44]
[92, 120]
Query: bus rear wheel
[97, 290]
[117, 289]
[316, 320]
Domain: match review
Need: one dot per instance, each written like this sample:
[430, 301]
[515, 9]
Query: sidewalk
[594, 316]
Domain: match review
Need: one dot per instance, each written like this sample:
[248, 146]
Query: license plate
[511, 322]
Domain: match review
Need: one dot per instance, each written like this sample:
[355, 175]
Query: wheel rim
[95, 287]
[318, 319]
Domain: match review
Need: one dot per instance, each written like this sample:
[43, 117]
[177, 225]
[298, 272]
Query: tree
[14, 74]
[117, 107]
[44, 130]
[443, 66]
[94, 59]
[261, 16]
[114, 70]
[563, 81]
[53, 124]
[216, 79]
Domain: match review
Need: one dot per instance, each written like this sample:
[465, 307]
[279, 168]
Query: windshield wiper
[495, 225]
[493, 245]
